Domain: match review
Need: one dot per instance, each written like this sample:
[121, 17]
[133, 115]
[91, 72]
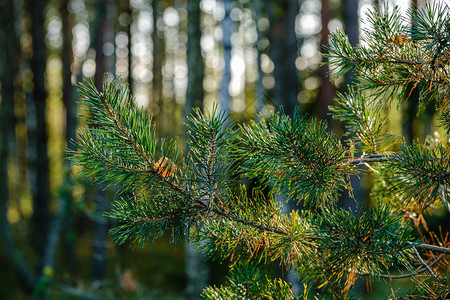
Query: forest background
[250, 56]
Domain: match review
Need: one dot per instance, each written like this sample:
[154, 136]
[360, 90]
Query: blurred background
[249, 56]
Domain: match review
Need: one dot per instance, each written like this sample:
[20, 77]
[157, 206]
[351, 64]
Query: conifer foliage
[203, 192]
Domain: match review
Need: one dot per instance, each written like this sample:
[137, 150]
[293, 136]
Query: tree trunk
[124, 8]
[283, 51]
[130, 52]
[194, 92]
[326, 91]
[70, 106]
[158, 57]
[227, 29]
[8, 70]
[101, 226]
[37, 129]
[196, 268]
[409, 110]
[351, 28]
[284, 46]
[259, 88]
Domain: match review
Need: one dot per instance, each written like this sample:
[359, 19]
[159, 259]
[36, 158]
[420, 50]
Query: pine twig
[247, 222]
[431, 248]
[370, 158]
[426, 266]
[444, 197]
[406, 275]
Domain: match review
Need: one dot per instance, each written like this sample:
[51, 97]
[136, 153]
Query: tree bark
[70, 106]
[351, 28]
[227, 29]
[37, 129]
[124, 8]
[259, 88]
[196, 267]
[283, 51]
[326, 91]
[409, 111]
[101, 225]
[284, 47]
[194, 92]
[8, 70]
[158, 57]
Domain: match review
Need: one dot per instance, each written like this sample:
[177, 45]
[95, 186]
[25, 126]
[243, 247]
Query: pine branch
[382, 157]
[405, 275]
[430, 247]
[395, 56]
[426, 266]
[362, 116]
[421, 172]
[297, 156]
[253, 224]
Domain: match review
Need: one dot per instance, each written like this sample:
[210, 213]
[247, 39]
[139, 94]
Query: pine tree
[203, 192]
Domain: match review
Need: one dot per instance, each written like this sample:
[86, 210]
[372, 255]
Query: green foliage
[297, 156]
[120, 147]
[203, 192]
[247, 282]
[364, 121]
[422, 173]
[210, 142]
[287, 237]
[427, 288]
[445, 120]
[394, 56]
[369, 244]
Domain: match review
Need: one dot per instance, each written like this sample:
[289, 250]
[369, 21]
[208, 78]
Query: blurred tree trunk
[227, 29]
[259, 88]
[98, 36]
[158, 56]
[130, 52]
[351, 28]
[37, 128]
[283, 50]
[194, 92]
[196, 268]
[411, 104]
[70, 106]
[8, 70]
[326, 90]
[124, 12]
[69, 101]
